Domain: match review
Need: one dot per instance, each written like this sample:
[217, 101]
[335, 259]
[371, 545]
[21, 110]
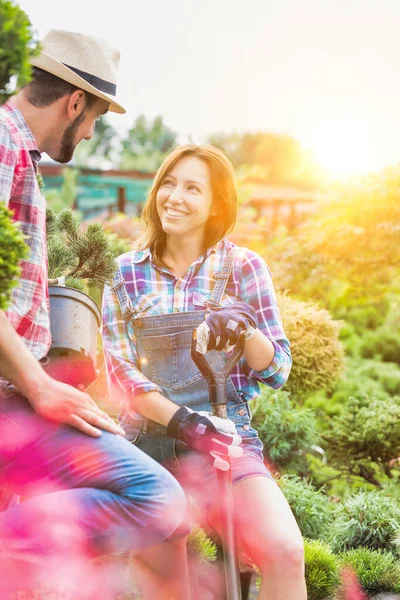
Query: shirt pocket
[146, 305]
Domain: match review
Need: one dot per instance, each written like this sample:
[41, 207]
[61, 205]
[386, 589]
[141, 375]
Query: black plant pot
[74, 323]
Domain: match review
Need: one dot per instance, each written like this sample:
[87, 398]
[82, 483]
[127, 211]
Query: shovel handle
[217, 379]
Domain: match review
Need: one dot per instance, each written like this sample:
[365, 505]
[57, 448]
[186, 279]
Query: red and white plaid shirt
[19, 155]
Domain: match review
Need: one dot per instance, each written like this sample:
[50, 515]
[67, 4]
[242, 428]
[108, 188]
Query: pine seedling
[82, 257]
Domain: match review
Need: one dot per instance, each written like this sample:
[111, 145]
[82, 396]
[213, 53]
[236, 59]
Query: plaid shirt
[161, 293]
[19, 155]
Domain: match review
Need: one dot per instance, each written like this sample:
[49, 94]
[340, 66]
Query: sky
[325, 71]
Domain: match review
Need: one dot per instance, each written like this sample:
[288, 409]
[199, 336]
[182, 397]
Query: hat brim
[51, 65]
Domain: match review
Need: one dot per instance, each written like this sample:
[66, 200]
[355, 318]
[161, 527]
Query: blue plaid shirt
[160, 292]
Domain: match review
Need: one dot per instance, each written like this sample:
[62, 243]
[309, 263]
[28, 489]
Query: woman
[184, 273]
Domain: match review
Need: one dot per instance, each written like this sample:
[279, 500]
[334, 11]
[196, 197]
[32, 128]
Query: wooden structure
[282, 205]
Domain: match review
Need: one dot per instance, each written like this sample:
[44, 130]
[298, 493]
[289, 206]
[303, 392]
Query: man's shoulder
[10, 135]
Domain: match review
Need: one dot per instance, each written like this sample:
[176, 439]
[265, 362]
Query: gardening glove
[204, 433]
[222, 328]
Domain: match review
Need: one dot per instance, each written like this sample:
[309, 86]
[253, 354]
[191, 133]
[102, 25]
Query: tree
[101, 149]
[17, 45]
[146, 144]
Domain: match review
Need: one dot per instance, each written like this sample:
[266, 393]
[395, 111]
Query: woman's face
[184, 199]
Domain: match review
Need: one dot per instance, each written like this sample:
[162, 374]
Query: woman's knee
[285, 556]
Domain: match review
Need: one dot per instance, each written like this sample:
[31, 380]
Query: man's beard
[68, 144]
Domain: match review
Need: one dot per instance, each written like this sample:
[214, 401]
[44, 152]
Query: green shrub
[288, 433]
[321, 570]
[365, 437]
[200, 545]
[12, 250]
[310, 507]
[386, 374]
[364, 317]
[367, 519]
[384, 344]
[316, 349]
[376, 570]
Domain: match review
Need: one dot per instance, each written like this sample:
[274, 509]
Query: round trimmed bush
[316, 349]
[321, 570]
[376, 570]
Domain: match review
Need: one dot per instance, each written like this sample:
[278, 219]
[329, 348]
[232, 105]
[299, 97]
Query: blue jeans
[82, 496]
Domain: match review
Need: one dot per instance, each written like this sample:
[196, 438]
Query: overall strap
[221, 280]
[123, 298]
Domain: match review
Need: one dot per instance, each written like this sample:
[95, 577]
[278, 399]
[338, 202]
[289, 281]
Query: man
[87, 490]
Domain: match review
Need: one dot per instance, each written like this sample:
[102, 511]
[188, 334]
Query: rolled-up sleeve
[122, 366]
[258, 290]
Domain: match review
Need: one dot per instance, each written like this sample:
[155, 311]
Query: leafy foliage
[316, 350]
[364, 436]
[366, 519]
[311, 508]
[321, 570]
[17, 45]
[12, 250]
[288, 433]
[346, 256]
[383, 343]
[75, 254]
[376, 570]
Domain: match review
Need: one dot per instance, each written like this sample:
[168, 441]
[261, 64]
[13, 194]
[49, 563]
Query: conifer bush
[321, 570]
[368, 519]
[311, 507]
[365, 438]
[316, 349]
[376, 570]
[12, 250]
[288, 433]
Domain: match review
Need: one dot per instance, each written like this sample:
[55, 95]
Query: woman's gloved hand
[222, 328]
[207, 434]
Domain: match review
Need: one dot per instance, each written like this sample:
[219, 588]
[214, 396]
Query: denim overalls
[163, 345]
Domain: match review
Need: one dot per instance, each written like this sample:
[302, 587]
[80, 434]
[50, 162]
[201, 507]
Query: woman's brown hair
[224, 199]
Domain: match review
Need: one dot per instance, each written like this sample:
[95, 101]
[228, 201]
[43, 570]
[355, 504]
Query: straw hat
[83, 60]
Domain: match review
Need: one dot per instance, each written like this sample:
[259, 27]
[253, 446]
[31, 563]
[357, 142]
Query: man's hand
[222, 328]
[205, 433]
[62, 403]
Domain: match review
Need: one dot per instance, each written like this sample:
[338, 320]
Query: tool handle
[217, 379]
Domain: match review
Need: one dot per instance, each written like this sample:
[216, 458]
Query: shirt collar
[17, 117]
[142, 255]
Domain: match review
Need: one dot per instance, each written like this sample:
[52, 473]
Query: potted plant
[77, 259]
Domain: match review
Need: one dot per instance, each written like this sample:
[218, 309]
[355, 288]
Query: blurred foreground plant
[12, 250]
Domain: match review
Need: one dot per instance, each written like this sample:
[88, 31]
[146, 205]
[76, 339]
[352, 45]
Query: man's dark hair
[45, 88]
